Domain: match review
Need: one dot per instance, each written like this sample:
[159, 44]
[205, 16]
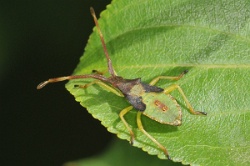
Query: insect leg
[122, 113]
[140, 126]
[103, 85]
[155, 80]
[174, 87]
[98, 72]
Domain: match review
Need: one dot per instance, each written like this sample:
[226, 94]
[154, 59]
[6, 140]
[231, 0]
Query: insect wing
[162, 108]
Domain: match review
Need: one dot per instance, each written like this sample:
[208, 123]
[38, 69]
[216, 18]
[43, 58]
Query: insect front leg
[103, 85]
[122, 113]
[155, 80]
[98, 72]
[140, 126]
[174, 87]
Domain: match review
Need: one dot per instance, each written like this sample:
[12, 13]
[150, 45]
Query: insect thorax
[133, 90]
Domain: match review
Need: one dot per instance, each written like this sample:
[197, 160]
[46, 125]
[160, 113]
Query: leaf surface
[119, 153]
[147, 39]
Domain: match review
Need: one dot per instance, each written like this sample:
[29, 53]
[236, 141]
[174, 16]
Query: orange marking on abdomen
[162, 106]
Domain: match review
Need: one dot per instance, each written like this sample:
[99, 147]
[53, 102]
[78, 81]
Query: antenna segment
[110, 66]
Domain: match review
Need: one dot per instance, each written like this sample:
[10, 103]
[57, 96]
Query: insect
[148, 99]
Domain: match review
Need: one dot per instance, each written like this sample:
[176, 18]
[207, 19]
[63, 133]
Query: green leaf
[119, 153]
[151, 38]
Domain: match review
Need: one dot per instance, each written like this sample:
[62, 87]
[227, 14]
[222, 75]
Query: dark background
[39, 40]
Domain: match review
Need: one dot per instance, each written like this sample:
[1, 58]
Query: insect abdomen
[162, 108]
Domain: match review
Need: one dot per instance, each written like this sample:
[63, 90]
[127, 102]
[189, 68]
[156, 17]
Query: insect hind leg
[140, 126]
[174, 87]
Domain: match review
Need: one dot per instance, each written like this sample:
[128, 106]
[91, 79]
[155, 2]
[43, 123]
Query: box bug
[148, 99]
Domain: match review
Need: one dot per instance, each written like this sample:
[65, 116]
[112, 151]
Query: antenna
[95, 76]
[110, 66]
[59, 79]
